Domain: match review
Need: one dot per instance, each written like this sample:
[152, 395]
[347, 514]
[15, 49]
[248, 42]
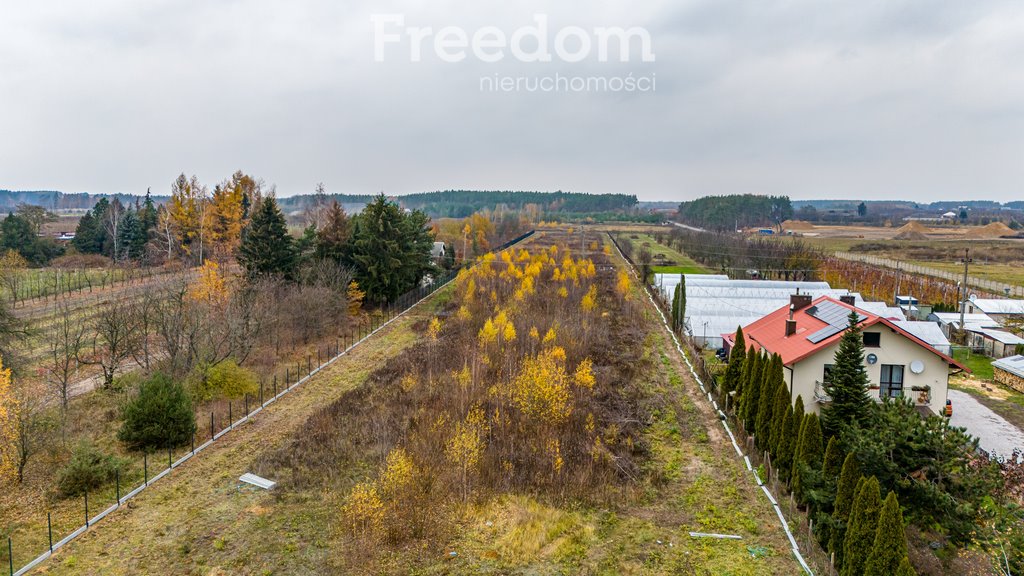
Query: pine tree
[860, 532]
[890, 546]
[734, 371]
[848, 383]
[845, 492]
[390, 250]
[132, 241]
[752, 393]
[267, 248]
[766, 403]
[808, 458]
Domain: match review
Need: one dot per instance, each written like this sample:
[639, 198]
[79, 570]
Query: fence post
[231, 418]
[309, 364]
[246, 396]
[170, 460]
[275, 385]
[49, 531]
[212, 434]
[145, 468]
[10, 555]
[86, 508]
[261, 392]
[193, 443]
[117, 492]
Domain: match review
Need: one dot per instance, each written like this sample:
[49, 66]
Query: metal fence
[270, 391]
[991, 286]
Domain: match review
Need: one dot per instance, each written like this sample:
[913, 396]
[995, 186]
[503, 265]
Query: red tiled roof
[769, 333]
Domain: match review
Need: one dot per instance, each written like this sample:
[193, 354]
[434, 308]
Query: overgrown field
[537, 423]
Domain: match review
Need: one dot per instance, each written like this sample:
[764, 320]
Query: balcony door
[891, 382]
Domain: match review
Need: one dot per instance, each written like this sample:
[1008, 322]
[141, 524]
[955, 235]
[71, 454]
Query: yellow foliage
[593, 245]
[399, 471]
[589, 302]
[10, 409]
[470, 291]
[607, 250]
[488, 334]
[408, 382]
[584, 376]
[509, 333]
[355, 298]
[554, 449]
[623, 284]
[463, 313]
[541, 389]
[467, 442]
[209, 286]
[434, 329]
[364, 510]
[534, 333]
[549, 336]
[563, 292]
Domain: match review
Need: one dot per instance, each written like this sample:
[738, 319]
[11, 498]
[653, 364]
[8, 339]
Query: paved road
[995, 434]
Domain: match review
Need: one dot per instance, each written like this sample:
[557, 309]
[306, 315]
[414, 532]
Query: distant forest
[735, 211]
[448, 203]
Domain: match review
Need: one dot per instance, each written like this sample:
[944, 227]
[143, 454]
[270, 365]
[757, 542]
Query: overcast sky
[879, 99]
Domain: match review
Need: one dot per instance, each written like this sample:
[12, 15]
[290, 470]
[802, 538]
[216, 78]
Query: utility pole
[963, 300]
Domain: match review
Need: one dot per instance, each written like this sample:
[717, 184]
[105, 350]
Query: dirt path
[199, 503]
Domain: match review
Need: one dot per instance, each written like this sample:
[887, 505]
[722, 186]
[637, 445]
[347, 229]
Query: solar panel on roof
[824, 333]
[833, 314]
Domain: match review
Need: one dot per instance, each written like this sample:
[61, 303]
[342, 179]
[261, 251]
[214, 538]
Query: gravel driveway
[995, 434]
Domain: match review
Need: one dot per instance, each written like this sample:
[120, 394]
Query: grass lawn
[980, 365]
[673, 262]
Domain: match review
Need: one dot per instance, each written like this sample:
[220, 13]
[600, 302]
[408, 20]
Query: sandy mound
[912, 231]
[797, 225]
[993, 230]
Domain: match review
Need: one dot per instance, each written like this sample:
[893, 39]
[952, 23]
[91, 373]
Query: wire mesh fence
[27, 548]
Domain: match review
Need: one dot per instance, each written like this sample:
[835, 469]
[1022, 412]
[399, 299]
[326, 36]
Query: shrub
[160, 416]
[226, 379]
[89, 468]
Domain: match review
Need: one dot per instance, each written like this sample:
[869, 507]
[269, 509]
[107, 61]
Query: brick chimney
[790, 323]
[799, 301]
[848, 299]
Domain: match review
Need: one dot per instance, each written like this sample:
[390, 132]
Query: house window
[891, 382]
[827, 373]
[872, 339]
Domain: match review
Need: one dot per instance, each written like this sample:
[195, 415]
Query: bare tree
[115, 331]
[32, 425]
[65, 349]
[112, 224]
[316, 210]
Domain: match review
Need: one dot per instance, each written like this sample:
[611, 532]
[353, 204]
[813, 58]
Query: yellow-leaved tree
[209, 286]
[227, 216]
[466, 446]
[9, 415]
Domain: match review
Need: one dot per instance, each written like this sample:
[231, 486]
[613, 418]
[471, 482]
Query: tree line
[838, 466]
[735, 211]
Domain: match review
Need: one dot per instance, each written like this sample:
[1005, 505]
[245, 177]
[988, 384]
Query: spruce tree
[752, 393]
[890, 546]
[849, 476]
[267, 248]
[784, 450]
[734, 371]
[847, 384]
[860, 532]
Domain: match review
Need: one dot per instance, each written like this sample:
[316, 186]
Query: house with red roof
[806, 336]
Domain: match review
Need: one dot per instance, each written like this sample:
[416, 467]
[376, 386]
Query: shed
[1010, 371]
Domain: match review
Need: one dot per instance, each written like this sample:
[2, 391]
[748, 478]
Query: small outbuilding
[1010, 371]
